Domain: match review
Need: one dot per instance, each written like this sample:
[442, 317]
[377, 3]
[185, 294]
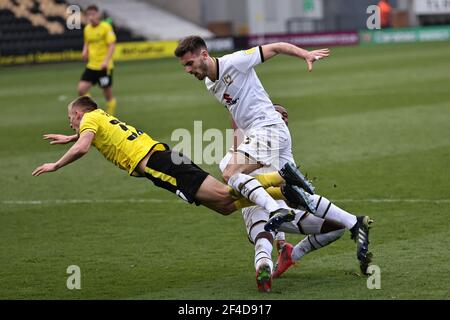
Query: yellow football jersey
[97, 39]
[120, 143]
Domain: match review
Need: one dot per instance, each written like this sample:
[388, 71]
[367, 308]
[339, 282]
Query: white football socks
[263, 253]
[327, 210]
[252, 189]
[314, 242]
[280, 236]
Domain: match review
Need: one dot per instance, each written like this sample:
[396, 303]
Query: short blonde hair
[84, 103]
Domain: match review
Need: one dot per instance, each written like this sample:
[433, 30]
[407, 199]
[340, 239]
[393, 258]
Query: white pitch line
[83, 201]
[100, 201]
[435, 201]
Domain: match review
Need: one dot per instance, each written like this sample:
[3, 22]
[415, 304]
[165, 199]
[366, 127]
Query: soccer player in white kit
[234, 82]
[320, 232]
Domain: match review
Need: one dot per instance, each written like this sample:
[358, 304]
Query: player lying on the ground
[327, 226]
[134, 151]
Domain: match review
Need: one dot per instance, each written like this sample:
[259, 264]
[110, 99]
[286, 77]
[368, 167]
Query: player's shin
[241, 202]
[275, 192]
[263, 253]
[280, 240]
[111, 106]
[325, 209]
[315, 241]
[251, 189]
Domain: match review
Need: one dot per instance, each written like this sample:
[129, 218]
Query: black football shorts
[101, 77]
[175, 172]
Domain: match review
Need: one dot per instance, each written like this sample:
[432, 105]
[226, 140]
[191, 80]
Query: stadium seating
[30, 26]
[150, 21]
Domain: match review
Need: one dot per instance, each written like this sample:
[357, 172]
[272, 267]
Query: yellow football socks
[274, 192]
[242, 203]
[234, 193]
[111, 106]
[271, 179]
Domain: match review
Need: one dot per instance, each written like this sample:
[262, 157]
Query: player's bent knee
[256, 232]
[265, 235]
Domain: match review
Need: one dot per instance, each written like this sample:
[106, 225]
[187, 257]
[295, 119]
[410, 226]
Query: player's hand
[57, 138]
[105, 65]
[46, 167]
[315, 55]
[85, 55]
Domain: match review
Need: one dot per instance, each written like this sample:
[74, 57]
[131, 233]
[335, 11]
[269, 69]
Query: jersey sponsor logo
[229, 100]
[227, 79]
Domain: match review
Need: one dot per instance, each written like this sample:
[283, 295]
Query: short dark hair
[277, 104]
[84, 103]
[92, 7]
[189, 44]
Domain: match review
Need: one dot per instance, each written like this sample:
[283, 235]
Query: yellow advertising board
[124, 51]
[144, 50]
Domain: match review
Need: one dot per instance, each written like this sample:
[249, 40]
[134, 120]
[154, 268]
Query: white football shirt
[238, 88]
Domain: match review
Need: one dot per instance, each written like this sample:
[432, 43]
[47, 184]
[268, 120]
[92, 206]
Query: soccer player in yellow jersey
[136, 152]
[98, 50]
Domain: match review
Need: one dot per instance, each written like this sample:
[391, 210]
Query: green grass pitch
[371, 125]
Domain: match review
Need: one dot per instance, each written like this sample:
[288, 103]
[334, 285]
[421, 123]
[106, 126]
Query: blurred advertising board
[124, 51]
[423, 34]
[426, 7]
[308, 39]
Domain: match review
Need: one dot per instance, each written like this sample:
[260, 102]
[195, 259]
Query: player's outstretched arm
[79, 149]
[60, 138]
[272, 49]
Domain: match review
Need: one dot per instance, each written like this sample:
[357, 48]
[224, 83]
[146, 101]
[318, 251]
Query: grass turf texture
[370, 125]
